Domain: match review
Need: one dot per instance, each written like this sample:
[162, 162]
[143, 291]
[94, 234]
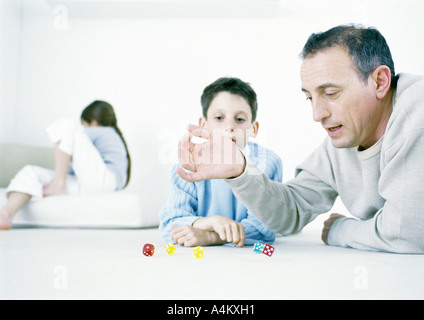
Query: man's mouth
[333, 131]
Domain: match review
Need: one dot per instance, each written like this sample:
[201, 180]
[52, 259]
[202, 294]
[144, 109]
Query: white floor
[108, 264]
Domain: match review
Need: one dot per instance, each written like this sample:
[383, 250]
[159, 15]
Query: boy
[207, 212]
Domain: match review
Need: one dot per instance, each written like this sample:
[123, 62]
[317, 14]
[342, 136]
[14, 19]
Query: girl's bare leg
[15, 202]
[61, 167]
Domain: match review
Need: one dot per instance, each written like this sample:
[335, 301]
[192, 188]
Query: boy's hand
[190, 237]
[227, 229]
[217, 158]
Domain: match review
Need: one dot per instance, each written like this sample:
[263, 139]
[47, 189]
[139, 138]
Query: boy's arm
[178, 217]
[189, 236]
[248, 230]
[227, 229]
[181, 206]
[256, 231]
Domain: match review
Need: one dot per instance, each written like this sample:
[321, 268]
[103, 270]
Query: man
[373, 157]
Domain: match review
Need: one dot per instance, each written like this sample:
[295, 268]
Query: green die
[258, 247]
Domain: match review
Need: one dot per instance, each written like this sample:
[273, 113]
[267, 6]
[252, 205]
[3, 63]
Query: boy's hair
[367, 48]
[231, 85]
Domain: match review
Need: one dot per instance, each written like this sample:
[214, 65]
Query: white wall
[10, 41]
[152, 64]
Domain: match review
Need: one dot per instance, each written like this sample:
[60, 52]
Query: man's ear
[202, 122]
[255, 129]
[382, 79]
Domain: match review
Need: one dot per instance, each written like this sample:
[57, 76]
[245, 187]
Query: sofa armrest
[14, 157]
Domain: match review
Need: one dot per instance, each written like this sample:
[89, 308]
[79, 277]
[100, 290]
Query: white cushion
[120, 209]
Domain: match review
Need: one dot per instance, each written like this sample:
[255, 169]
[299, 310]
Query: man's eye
[331, 94]
[219, 118]
[240, 120]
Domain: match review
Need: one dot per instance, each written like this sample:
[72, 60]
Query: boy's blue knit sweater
[190, 201]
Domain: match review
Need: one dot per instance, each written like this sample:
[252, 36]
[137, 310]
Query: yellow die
[198, 252]
[170, 248]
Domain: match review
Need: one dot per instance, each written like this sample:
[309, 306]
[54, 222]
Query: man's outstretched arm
[283, 208]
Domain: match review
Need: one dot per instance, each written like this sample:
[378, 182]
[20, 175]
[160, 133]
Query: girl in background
[92, 158]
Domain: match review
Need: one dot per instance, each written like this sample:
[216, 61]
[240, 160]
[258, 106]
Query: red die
[268, 250]
[148, 250]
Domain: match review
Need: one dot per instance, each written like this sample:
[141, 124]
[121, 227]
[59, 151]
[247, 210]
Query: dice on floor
[148, 250]
[258, 247]
[170, 248]
[264, 248]
[198, 252]
[268, 250]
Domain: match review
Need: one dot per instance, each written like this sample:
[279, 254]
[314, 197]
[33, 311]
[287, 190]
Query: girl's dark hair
[367, 48]
[103, 113]
[231, 85]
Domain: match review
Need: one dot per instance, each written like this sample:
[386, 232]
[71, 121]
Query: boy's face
[231, 114]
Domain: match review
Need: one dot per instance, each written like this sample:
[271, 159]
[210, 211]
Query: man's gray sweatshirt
[383, 186]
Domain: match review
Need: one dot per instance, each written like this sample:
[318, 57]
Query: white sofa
[124, 209]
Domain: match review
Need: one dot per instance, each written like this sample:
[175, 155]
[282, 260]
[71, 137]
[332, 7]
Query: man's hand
[327, 226]
[227, 229]
[217, 158]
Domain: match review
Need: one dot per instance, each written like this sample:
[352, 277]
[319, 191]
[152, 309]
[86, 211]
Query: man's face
[231, 115]
[344, 104]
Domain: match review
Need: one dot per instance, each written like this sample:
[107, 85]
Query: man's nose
[320, 110]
